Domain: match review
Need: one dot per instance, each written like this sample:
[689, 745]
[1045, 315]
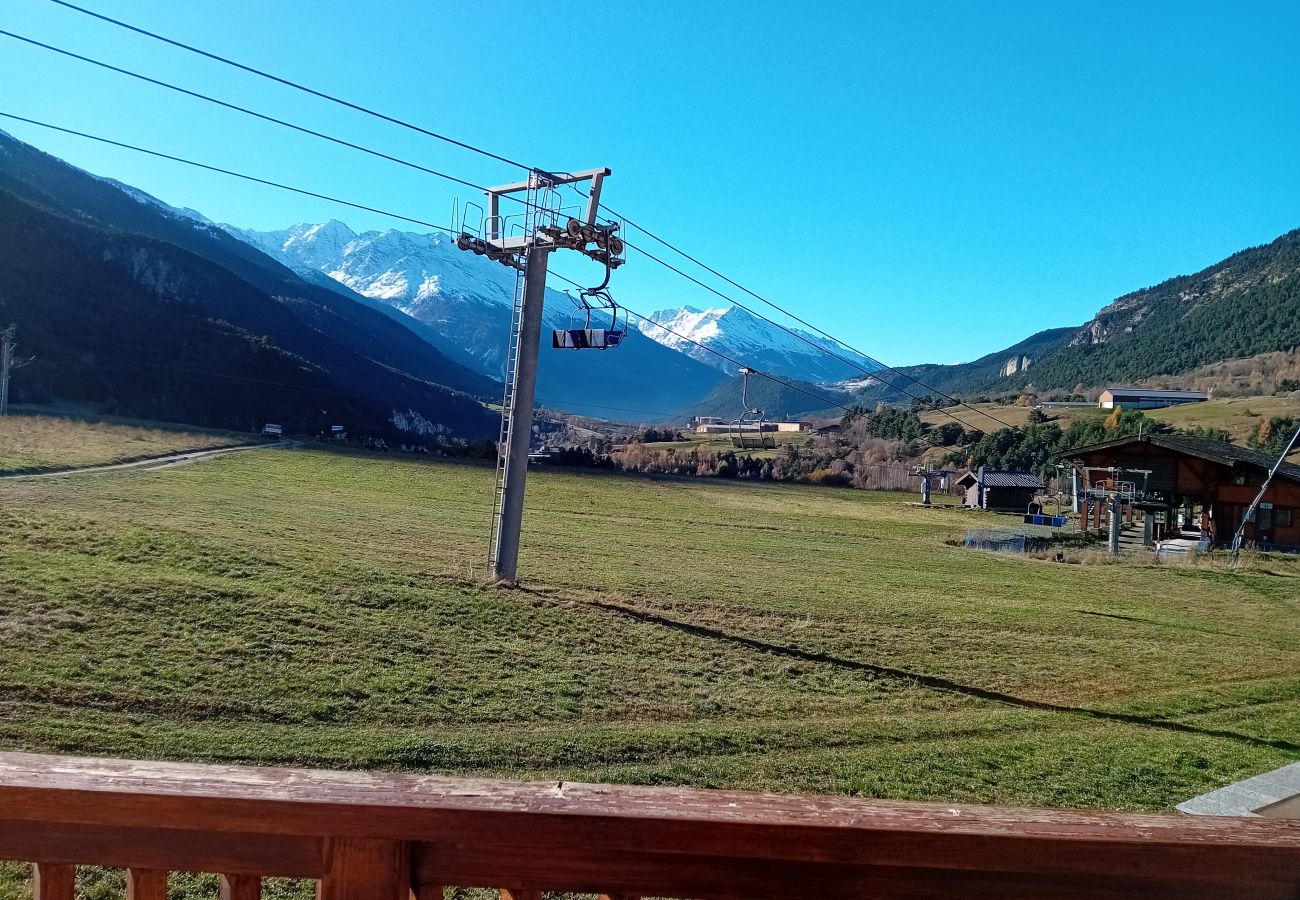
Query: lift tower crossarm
[494, 194]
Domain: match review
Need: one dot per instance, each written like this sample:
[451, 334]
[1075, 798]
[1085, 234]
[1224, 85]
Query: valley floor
[328, 609]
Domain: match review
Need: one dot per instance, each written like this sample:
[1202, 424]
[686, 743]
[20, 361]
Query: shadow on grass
[1158, 624]
[936, 683]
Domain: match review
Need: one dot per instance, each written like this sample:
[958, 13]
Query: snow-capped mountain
[760, 344]
[461, 296]
[462, 303]
[114, 288]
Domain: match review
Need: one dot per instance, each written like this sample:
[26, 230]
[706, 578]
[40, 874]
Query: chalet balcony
[367, 835]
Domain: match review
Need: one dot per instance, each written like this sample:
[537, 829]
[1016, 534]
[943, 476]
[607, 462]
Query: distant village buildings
[719, 425]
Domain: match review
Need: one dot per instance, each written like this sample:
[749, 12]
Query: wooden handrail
[387, 835]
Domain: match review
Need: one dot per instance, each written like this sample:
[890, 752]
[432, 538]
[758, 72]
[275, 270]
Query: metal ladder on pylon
[533, 216]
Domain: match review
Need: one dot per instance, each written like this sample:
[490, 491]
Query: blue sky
[929, 181]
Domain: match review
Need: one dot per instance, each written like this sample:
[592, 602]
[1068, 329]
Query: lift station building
[1210, 482]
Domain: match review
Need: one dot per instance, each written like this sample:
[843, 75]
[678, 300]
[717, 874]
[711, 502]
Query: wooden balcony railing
[386, 836]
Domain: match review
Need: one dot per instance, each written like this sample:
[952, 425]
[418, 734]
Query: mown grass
[36, 443]
[326, 609]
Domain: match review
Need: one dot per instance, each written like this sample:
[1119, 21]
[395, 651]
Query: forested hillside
[1246, 305]
[131, 309]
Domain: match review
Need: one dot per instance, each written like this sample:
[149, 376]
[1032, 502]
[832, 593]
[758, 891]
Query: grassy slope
[1239, 415]
[311, 608]
[722, 443]
[36, 443]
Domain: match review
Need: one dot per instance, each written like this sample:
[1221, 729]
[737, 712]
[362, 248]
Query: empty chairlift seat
[586, 338]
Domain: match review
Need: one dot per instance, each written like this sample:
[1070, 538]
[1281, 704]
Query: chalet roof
[1220, 452]
[1003, 479]
[1155, 392]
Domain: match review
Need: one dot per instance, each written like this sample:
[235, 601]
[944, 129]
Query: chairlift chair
[587, 337]
[748, 430]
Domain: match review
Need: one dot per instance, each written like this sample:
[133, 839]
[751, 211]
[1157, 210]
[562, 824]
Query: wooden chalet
[1005, 491]
[1211, 482]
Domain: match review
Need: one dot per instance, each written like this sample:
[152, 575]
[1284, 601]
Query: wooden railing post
[53, 881]
[365, 869]
[520, 894]
[241, 887]
[146, 884]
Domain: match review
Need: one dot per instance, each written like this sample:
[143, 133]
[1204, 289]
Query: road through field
[156, 463]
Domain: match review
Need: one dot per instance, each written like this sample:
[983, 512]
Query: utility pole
[542, 228]
[1114, 524]
[8, 362]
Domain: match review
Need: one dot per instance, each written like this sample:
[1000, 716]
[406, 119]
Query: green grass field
[722, 443]
[1239, 416]
[325, 609]
[35, 443]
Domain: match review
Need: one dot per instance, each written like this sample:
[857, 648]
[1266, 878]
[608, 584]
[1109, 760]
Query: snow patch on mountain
[180, 212]
[755, 342]
[466, 298]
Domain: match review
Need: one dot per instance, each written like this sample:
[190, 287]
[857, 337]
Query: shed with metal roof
[1006, 491]
[1146, 398]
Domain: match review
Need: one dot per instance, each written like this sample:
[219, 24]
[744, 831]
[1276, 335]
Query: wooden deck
[365, 835]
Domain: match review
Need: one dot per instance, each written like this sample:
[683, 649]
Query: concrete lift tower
[524, 242]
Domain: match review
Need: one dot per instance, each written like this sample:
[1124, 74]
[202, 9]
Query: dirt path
[155, 463]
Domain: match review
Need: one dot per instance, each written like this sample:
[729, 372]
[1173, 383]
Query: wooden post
[241, 887]
[365, 869]
[520, 894]
[53, 881]
[146, 884]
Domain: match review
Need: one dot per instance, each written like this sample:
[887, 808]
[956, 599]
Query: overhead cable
[487, 153]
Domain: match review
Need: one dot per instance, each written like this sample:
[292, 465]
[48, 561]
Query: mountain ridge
[119, 283]
[466, 301]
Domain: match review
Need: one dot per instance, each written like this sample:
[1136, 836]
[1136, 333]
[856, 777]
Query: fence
[366, 836]
[1001, 541]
